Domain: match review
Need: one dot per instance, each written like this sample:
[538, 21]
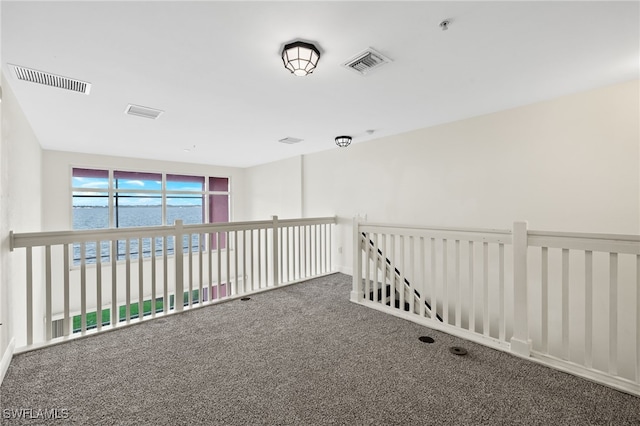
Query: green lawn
[134, 311]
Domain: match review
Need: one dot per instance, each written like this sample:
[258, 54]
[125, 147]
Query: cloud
[135, 182]
[95, 185]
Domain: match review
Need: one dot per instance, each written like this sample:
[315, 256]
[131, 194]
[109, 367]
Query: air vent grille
[290, 140]
[366, 61]
[141, 111]
[53, 80]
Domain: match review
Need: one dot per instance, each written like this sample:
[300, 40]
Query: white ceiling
[215, 69]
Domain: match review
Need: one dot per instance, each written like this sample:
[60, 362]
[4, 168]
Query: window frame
[164, 195]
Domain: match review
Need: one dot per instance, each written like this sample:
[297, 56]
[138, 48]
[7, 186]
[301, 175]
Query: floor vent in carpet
[426, 339]
[244, 299]
[456, 350]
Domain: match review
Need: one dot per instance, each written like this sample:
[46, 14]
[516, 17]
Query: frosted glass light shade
[300, 58]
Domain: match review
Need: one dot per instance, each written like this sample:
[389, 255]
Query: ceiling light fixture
[300, 58]
[343, 141]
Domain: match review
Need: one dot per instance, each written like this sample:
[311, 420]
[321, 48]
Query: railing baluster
[190, 268]
[588, 308]
[229, 284]
[281, 254]
[472, 300]
[252, 260]
[210, 265]
[565, 304]
[140, 281]
[316, 248]
[152, 241]
[66, 322]
[330, 248]
[47, 292]
[458, 286]
[392, 285]
[367, 277]
[299, 229]
[200, 270]
[83, 289]
[638, 318]
[385, 271]
[486, 327]
[266, 257]
[544, 302]
[178, 256]
[114, 283]
[376, 268]
[502, 325]
[219, 283]
[244, 260]
[304, 250]
[434, 284]
[423, 277]
[259, 244]
[165, 275]
[274, 250]
[402, 269]
[613, 314]
[128, 281]
[445, 283]
[99, 285]
[29, 296]
[235, 261]
[412, 268]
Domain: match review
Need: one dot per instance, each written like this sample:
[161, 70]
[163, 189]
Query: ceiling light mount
[300, 57]
[444, 25]
[343, 141]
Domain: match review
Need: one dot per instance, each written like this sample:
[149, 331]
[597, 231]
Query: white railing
[84, 282]
[568, 300]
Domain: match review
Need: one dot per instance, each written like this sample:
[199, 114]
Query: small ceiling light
[444, 25]
[300, 58]
[343, 141]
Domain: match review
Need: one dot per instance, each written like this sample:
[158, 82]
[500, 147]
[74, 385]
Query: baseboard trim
[7, 356]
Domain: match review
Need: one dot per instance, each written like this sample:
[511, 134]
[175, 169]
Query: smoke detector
[366, 61]
[49, 79]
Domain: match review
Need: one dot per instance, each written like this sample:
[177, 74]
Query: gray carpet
[300, 355]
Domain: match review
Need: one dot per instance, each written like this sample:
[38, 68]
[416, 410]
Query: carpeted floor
[300, 355]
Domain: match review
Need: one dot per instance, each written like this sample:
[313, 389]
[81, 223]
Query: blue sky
[99, 198]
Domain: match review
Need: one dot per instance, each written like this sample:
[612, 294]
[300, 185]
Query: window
[121, 198]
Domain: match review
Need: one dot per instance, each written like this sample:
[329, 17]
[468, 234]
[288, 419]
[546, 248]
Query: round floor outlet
[456, 350]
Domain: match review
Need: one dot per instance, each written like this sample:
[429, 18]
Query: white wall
[57, 167]
[274, 189]
[568, 164]
[20, 208]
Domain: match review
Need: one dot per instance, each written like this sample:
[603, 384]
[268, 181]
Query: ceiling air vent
[290, 140]
[140, 111]
[53, 80]
[366, 61]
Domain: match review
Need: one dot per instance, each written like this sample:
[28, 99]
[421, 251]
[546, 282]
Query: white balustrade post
[356, 292]
[179, 259]
[275, 251]
[520, 342]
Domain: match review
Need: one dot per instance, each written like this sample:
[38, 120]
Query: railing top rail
[37, 239]
[582, 235]
[307, 221]
[435, 228]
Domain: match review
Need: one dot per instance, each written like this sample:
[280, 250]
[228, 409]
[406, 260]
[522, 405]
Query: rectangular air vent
[290, 140]
[141, 111]
[366, 61]
[53, 80]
